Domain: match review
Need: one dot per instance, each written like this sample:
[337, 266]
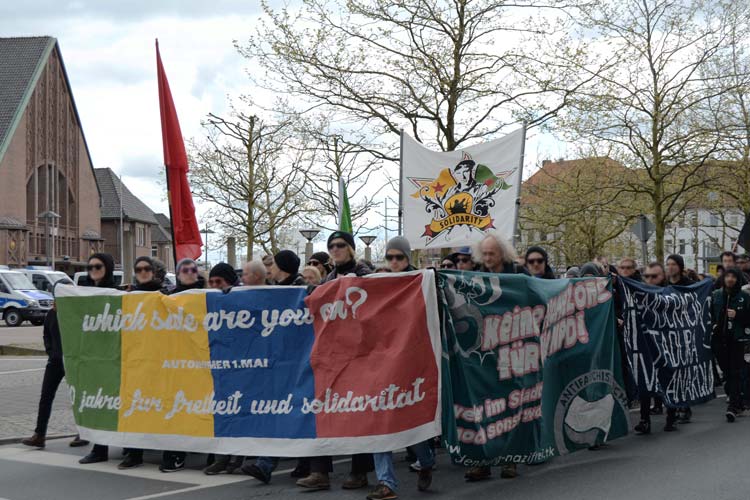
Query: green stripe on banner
[98, 393]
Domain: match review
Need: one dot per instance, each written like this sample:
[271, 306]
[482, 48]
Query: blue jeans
[384, 463]
[267, 464]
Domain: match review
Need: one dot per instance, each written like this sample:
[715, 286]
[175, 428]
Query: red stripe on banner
[374, 373]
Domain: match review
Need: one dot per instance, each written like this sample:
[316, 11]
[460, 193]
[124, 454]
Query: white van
[20, 301]
[45, 279]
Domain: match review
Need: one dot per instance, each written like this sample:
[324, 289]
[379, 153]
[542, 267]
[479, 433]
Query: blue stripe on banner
[261, 364]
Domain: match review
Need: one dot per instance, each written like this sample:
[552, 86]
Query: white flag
[451, 199]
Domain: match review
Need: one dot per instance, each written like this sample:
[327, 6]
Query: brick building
[45, 165]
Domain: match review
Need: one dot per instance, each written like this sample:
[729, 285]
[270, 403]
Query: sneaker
[643, 427]
[78, 442]
[730, 414]
[415, 467]
[218, 467]
[235, 463]
[93, 458]
[475, 474]
[355, 482]
[425, 479]
[256, 472]
[508, 471]
[315, 481]
[130, 462]
[173, 464]
[382, 492]
[35, 441]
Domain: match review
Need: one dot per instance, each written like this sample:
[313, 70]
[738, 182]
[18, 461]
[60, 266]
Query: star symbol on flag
[428, 231]
[438, 187]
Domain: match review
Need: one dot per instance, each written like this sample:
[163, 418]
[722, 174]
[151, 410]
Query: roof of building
[110, 187]
[7, 222]
[162, 232]
[22, 62]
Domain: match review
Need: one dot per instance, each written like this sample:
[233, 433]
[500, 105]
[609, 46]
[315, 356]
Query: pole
[400, 188]
[644, 241]
[53, 244]
[518, 188]
[122, 232]
[46, 230]
[385, 225]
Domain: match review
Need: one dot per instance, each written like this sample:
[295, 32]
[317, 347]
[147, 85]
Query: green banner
[531, 367]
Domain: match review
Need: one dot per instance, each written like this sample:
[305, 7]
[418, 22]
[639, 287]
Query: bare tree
[645, 110]
[252, 171]
[434, 67]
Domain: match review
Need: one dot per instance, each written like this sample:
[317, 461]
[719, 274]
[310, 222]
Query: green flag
[345, 215]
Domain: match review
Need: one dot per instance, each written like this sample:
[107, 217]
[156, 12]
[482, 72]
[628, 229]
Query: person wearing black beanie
[344, 257]
[285, 269]
[537, 263]
[222, 276]
[347, 237]
[322, 261]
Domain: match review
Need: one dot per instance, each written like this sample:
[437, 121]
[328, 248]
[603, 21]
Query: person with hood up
[342, 249]
[730, 315]
[101, 274]
[537, 263]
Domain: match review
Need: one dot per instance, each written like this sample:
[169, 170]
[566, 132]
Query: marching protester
[101, 274]
[149, 277]
[268, 261]
[573, 272]
[311, 275]
[222, 277]
[253, 273]
[464, 262]
[497, 256]
[730, 315]
[653, 275]
[627, 269]
[322, 262]
[537, 263]
[398, 257]
[448, 262]
[342, 249]
[591, 269]
[284, 272]
[188, 276]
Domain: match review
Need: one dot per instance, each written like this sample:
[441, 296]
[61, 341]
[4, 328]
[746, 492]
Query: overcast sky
[108, 49]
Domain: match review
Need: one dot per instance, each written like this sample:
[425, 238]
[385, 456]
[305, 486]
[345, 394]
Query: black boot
[643, 427]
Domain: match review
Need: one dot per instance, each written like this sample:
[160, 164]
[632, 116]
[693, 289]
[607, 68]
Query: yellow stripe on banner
[166, 385]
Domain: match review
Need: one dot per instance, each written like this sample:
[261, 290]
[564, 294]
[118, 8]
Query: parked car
[45, 279]
[20, 301]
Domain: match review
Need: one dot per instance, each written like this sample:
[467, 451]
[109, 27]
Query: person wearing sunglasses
[54, 371]
[101, 274]
[448, 262]
[537, 263]
[463, 259]
[398, 259]
[342, 249]
[188, 276]
[626, 268]
[149, 277]
[322, 262]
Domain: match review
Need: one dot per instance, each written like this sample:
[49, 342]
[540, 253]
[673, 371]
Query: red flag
[186, 237]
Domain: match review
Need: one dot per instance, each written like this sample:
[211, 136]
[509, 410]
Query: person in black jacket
[537, 263]
[342, 249]
[149, 277]
[101, 274]
[188, 276]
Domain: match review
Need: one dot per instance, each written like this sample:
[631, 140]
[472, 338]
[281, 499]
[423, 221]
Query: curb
[12, 350]
[16, 440]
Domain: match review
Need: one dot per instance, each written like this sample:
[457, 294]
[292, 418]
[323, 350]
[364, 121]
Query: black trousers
[730, 355]
[362, 463]
[53, 375]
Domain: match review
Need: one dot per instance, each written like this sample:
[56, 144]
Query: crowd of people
[729, 310]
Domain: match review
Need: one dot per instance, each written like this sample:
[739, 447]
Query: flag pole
[166, 173]
[518, 188]
[400, 186]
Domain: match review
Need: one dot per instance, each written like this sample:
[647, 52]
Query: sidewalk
[20, 386]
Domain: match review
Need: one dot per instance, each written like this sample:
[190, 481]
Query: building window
[668, 246]
[682, 249]
[713, 220]
[140, 235]
[154, 251]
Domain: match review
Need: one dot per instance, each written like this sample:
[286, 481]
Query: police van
[20, 300]
[45, 279]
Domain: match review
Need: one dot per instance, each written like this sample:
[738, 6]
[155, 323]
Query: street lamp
[206, 231]
[368, 251]
[308, 234]
[48, 216]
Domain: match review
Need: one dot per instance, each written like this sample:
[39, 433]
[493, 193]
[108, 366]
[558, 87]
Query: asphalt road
[20, 335]
[706, 459]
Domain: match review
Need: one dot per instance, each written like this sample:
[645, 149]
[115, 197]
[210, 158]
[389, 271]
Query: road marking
[147, 471]
[23, 371]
